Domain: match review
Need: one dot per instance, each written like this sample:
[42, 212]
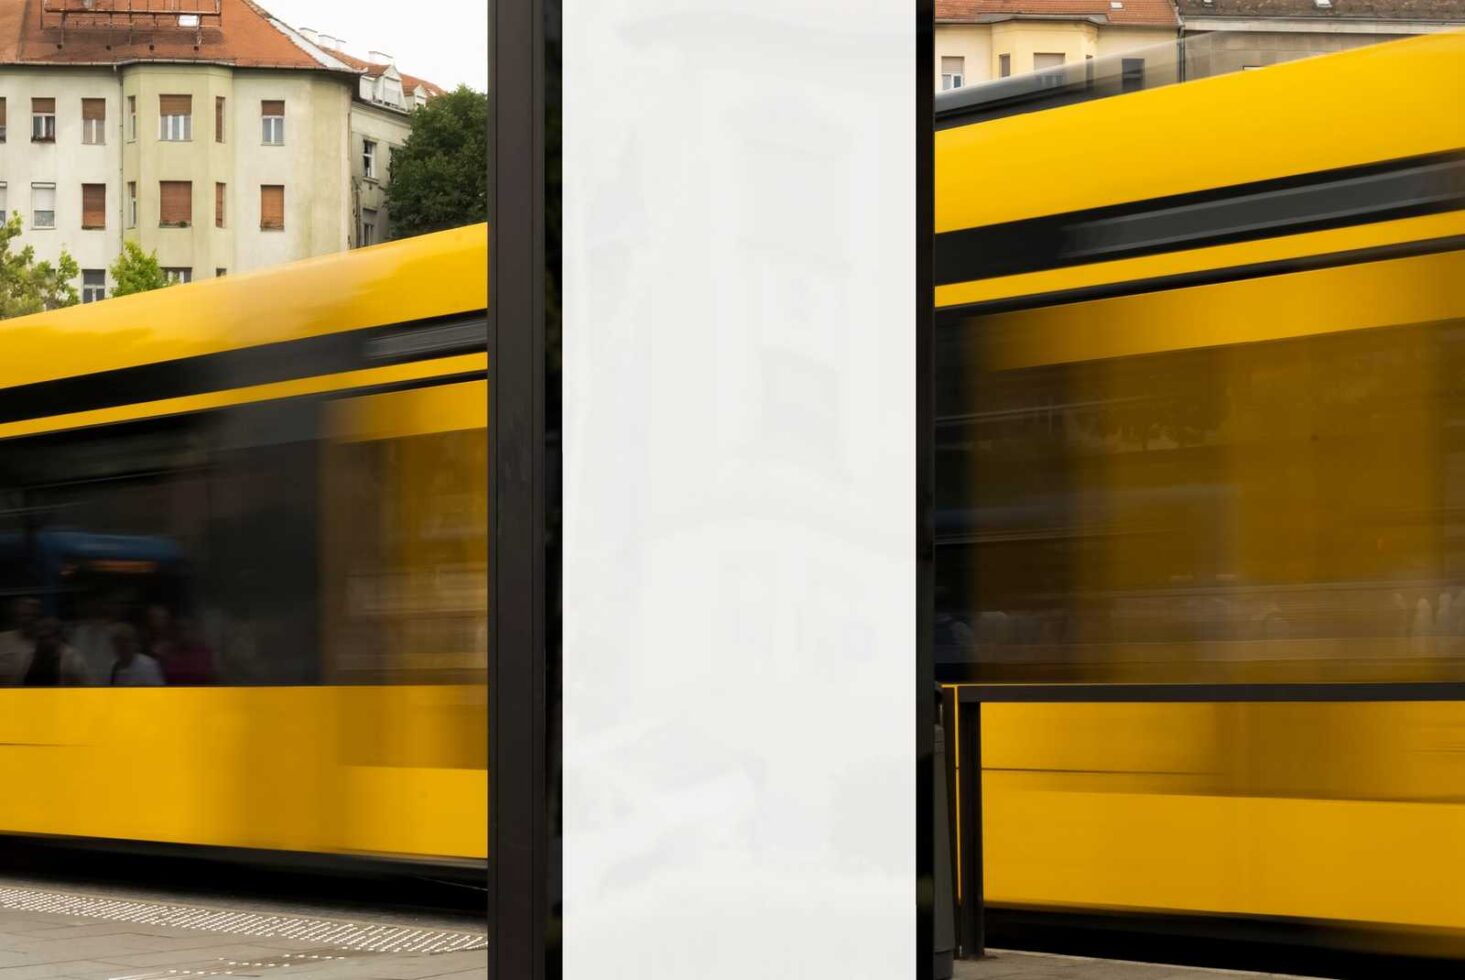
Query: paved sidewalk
[1012, 965]
[49, 934]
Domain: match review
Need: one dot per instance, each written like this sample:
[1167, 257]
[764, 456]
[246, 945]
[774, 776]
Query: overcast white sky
[443, 41]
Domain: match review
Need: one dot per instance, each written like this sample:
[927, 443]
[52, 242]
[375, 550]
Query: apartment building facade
[1235, 35]
[980, 40]
[218, 136]
[380, 122]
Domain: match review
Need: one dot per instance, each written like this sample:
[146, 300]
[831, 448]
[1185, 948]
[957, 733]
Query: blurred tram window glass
[296, 541]
[1286, 510]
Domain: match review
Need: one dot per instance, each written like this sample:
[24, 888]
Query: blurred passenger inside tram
[19, 641]
[53, 663]
[130, 666]
[178, 648]
[92, 635]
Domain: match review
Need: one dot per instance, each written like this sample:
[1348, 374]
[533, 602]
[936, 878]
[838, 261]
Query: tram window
[1281, 510]
[295, 542]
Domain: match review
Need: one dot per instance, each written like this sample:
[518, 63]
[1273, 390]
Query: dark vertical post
[973, 924]
[949, 707]
[925, 298]
[517, 839]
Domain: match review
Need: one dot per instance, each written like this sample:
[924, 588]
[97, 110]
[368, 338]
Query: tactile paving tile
[326, 933]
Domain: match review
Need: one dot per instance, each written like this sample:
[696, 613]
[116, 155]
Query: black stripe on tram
[1293, 205]
[1204, 277]
[284, 361]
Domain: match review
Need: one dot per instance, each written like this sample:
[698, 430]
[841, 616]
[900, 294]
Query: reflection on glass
[302, 541]
[1281, 510]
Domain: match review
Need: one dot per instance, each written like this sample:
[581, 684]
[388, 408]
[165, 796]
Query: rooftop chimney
[380, 58]
[308, 33]
[325, 41]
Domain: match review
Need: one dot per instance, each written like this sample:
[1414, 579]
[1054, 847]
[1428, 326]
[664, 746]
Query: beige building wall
[1023, 39]
[980, 45]
[1159, 47]
[67, 163]
[147, 160]
[970, 42]
[389, 129]
[311, 165]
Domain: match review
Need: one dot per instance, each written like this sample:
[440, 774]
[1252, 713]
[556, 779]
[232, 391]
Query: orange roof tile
[1140, 13]
[242, 34]
[374, 69]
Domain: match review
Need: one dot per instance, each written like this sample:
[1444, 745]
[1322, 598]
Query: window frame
[186, 222]
[84, 225]
[35, 222]
[43, 121]
[269, 227]
[956, 79]
[175, 127]
[87, 287]
[93, 131]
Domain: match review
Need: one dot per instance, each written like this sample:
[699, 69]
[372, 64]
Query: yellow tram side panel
[1254, 809]
[287, 768]
[1379, 102]
[388, 769]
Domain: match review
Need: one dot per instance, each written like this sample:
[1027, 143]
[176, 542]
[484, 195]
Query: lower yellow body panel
[1319, 811]
[388, 771]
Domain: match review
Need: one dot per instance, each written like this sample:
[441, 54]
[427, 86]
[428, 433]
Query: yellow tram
[274, 486]
[1201, 418]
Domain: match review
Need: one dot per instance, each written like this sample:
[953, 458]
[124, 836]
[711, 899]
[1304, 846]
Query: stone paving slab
[36, 945]
[1003, 964]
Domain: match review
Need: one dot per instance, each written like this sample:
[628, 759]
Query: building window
[94, 121]
[175, 118]
[272, 207]
[219, 119]
[368, 226]
[218, 205]
[132, 204]
[2, 120]
[368, 158]
[272, 119]
[1004, 65]
[131, 117]
[93, 285]
[175, 207]
[4, 204]
[220, 273]
[1132, 74]
[1050, 66]
[43, 120]
[178, 275]
[93, 206]
[43, 205]
[953, 73]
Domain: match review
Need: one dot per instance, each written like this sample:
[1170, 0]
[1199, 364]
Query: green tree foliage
[28, 286]
[136, 271]
[439, 177]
